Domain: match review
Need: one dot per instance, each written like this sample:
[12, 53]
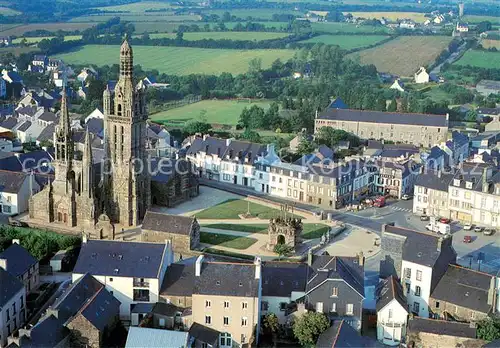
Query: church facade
[117, 191]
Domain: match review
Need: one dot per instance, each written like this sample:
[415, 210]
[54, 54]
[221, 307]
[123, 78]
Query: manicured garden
[231, 209]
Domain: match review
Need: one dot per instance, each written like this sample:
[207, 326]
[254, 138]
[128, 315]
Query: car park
[478, 229]
[444, 220]
[468, 227]
[488, 231]
[406, 197]
[424, 218]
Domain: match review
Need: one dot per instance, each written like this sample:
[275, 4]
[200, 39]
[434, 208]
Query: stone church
[93, 197]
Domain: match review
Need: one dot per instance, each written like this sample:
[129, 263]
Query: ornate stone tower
[128, 184]
[284, 230]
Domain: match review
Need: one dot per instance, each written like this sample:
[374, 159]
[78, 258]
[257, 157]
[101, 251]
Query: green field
[136, 17]
[393, 16]
[5, 11]
[254, 13]
[138, 7]
[178, 60]
[32, 40]
[347, 42]
[334, 28]
[227, 241]
[222, 35]
[403, 55]
[169, 27]
[18, 50]
[20, 29]
[480, 59]
[309, 231]
[232, 208]
[477, 19]
[215, 112]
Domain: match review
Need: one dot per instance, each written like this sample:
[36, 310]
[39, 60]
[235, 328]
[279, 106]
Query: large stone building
[78, 197]
[419, 129]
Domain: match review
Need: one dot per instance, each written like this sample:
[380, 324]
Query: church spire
[63, 137]
[126, 59]
[64, 127]
[88, 176]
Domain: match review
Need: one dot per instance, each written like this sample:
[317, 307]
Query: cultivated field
[393, 16]
[137, 17]
[33, 40]
[481, 59]
[487, 43]
[168, 27]
[404, 55]
[17, 50]
[178, 60]
[214, 112]
[334, 28]
[254, 13]
[138, 7]
[477, 19]
[220, 35]
[5, 11]
[21, 29]
[347, 42]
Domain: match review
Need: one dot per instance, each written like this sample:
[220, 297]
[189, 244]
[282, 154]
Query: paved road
[451, 59]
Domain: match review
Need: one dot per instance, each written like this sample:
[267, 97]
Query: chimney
[205, 136]
[486, 185]
[52, 311]
[309, 257]
[84, 237]
[439, 173]
[492, 298]
[228, 141]
[3, 264]
[361, 259]
[16, 241]
[439, 243]
[258, 267]
[199, 263]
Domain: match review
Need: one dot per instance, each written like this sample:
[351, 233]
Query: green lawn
[309, 231]
[230, 209]
[215, 112]
[477, 19]
[227, 241]
[334, 28]
[480, 59]
[347, 42]
[227, 253]
[178, 60]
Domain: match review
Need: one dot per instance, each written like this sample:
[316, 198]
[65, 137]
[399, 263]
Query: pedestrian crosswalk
[401, 209]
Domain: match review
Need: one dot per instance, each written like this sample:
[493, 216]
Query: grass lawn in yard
[215, 112]
[230, 209]
[480, 59]
[393, 16]
[403, 55]
[227, 241]
[178, 60]
[347, 42]
[309, 231]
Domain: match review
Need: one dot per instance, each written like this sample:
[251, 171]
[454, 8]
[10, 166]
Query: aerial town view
[249, 173]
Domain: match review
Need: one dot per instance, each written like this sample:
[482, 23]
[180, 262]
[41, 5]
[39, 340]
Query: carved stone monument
[284, 230]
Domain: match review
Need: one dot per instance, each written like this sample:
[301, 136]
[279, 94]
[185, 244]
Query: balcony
[392, 324]
[140, 283]
[141, 295]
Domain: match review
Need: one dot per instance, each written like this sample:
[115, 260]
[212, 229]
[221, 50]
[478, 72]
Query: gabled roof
[464, 287]
[441, 327]
[338, 103]
[11, 182]
[434, 180]
[204, 334]
[420, 247]
[179, 280]
[47, 133]
[9, 286]
[436, 152]
[227, 279]
[143, 337]
[48, 117]
[229, 150]
[326, 267]
[48, 332]
[459, 138]
[24, 127]
[161, 222]
[120, 259]
[95, 126]
[390, 289]
[341, 335]
[384, 117]
[9, 123]
[101, 309]
[19, 260]
[281, 278]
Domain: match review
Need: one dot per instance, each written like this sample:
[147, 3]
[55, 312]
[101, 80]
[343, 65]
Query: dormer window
[468, 184]
[456, 182]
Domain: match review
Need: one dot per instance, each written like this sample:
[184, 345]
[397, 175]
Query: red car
[467, 239]
[444, 220]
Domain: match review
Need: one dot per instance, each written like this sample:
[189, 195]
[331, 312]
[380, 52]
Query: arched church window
[119, 109]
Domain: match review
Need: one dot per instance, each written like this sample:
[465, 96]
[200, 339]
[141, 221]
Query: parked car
[444, 220]
[424, 218]
[468, 227]
[405, 197]
[478, 229]
[488, 231]
[467, 239]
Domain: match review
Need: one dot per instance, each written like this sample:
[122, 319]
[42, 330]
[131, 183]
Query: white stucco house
[15, 191]
[392, 312]
[13, 304]
[421, 76]
[132, 271]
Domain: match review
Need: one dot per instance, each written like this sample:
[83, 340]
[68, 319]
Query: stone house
[341, 334]
[431, 194]
[463, 294]
[201, 336]
[182, 231]
[418, 129]
[21, 264]
[178, 286]
[418, 259]
[395, 178]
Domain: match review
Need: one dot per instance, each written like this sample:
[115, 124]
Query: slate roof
[431, 179]
[327, 267]
[24, 127]
[48, 117]
[227, 279]
[161, 222]
[204, 334]
[341, 335]
[459, 138]
[384, 117]
[338, 103]
[48, 332]
[436, 152]
[11, 182]
[95, 126]
[9, 123]
[166, 309]
[141, 307]
[323, 155]
[281, 278]
[235, 151]
[142, 337]
[464, 287]
[120, 259]
[388, 290]
[421, 247]
[488, 111]
[47, 133]
[441, 327]
[179, 280]
[9, 286]
[19, 260]
[15, 77]
[102, 309]
[163, 168]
